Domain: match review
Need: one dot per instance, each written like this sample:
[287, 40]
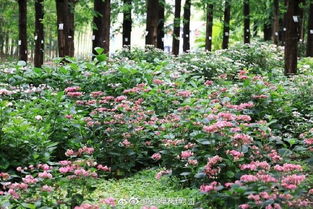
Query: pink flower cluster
[236, 155]
[217, 126]
[254, 165]
[209, 168]
[109, 201]
[81, 151]
[185, 93]
[162, 173]
[186, 154]
[207, 188]
[87, 206]
[242, 139]
[156, 156]
[292, 181]
[288, 167]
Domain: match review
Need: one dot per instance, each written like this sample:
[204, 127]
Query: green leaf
[99, 50]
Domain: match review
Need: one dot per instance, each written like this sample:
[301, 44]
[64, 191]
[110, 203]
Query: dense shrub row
[228, 123]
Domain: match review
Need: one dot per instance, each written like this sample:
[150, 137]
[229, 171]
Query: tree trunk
[176, 33]
[22, 30]
[291, 46]
[152, 22]
[186, 29]
[246, 14]
[71, 30]
[226, 25]
[161, 32]
[309, 51]
[63, 27]
[267, 30]
[127, 23]
[101, 33]
[209, 27]
[276, 22]
[39, 33]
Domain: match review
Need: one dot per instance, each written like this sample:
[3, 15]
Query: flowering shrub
[226, 123]
[66, 183]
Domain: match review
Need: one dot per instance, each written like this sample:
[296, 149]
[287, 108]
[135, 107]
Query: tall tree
[267, 30]
[71, 29]
[309, 51]
[39, 33]
[246, 15]
[209, 27]
[276, 26]
[186, 28]
[161, 32]
[176, 32]
[127, 22]
[152, 22]
[63, 27]
[291, 45]
[226, 24]
[101, 31]
[22, 5]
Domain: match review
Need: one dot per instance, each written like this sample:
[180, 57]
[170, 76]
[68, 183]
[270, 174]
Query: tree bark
[63, 27]
[161, 32]
[226, 25]
[267, 30]
[309, 51]
[22, 30]
[209, 27]
[71, 30]
[246, 15]
[186, 29]
[291, 46]
[127, 23]
[39, 34]
[152, 22]
[176, 31]
[101, 33]
[276, 22]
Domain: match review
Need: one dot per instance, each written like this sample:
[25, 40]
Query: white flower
[38, 117]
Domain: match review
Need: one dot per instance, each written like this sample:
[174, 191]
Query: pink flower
[81, 172]
[242, 139]
[109, 201]
[47, 188]
[208, 83]
[72, 89]
[96, 93]
[74, 94]
[158, 82]
[186, 154]
[87, 206]
[120, 98]
[208, 188]
[149, 207]
[29, 180]
[156, 156]
[309, 141]
[288, 167]
[69, 152]
[65, 162]
[103, 168]
[244, 206]
[291, 182]
[162, 173]
[184, 93]
[248, 178]
[65, 169]
[237, 155]
[45, 175]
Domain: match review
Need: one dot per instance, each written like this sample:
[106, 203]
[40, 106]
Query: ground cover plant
[227, 128]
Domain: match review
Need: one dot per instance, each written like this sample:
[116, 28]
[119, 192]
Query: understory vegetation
[223, 129]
